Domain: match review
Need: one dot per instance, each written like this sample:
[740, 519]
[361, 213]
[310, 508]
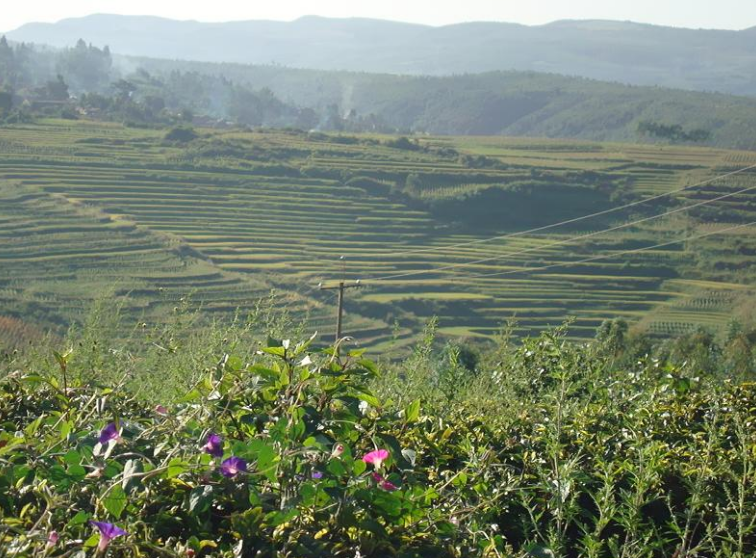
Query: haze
[730, 14]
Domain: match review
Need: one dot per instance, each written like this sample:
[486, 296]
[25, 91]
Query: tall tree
[8, 70]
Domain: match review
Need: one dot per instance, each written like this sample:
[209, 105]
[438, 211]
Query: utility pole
[342, 286]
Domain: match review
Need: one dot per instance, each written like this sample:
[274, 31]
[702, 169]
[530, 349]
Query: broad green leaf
[115, 501]
[412, 412]
[200, 499]
[175, 468]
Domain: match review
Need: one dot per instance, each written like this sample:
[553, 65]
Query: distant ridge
[627, 52]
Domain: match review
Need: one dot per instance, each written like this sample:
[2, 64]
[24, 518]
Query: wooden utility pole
[342, 286]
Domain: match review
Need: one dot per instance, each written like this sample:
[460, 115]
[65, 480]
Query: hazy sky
[722, 14]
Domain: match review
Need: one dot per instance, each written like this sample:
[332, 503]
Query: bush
[181, 134]
[545, 450]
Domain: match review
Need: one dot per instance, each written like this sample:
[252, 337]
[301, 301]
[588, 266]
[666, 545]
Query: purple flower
[233, 466]
[214, 445]
[108, 532]
[317, 475]
[110, 432]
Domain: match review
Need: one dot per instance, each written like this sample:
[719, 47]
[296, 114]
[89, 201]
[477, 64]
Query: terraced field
[91, 210]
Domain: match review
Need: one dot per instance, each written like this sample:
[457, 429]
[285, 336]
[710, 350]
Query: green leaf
[274, 519]
[359, 467]
[275, 351]
[79, 519]
[175, 468]
[115, 501]
[193, 395]
[336, 468]
[65, 429]
[72, 458]
[76, 472]
[200, 499]
[412, 412]
[370, 399]
[233, 364]
[132, 467]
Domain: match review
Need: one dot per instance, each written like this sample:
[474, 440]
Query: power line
[562, 242]
[612, 255]
[570, 221]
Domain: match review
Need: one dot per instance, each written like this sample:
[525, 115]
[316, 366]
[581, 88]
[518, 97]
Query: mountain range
[625, 52]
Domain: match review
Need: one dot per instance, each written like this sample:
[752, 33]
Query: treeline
[672, 132]
[87, 81]
[83, 81]
[500, 103]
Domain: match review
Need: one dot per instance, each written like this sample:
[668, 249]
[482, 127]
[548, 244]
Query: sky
[729, 14]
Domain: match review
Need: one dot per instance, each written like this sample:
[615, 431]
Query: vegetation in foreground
[217, 445]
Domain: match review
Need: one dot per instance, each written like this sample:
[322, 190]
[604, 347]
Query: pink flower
[52, 539]
[384, 483]
[161, 410]
[338, 450]
[376, 458]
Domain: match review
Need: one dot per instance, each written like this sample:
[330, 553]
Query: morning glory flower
[338, 450]
[108, 532]
[384, 483]
[214, 445]
[376, 458]
[233, 466]
[52, 539]
[161, 410]
[317, 475]
[109, 433]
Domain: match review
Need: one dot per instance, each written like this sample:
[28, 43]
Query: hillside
[89, 81]
[94, 211]
[498, 103]
[626, 52]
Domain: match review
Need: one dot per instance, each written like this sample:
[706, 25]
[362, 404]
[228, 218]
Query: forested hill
[86, 81]
[707, 60]
[493, 103]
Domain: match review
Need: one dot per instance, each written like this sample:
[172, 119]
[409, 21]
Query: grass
[92, 210]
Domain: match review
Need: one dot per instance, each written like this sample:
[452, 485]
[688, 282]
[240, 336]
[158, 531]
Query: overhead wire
[611, 255]
[569, 221]
[558, 242]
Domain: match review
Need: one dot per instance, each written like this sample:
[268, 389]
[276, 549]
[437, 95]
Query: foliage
[672, 132]
[547, 448]
[181, 134]
[526, 104]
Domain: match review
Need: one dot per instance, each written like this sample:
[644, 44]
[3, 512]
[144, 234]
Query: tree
[6, 102]
[86, 66]
[8, 69]
[124, 89]
[55, 90]
[181, 134]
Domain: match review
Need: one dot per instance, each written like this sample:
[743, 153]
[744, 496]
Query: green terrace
[90, 210]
